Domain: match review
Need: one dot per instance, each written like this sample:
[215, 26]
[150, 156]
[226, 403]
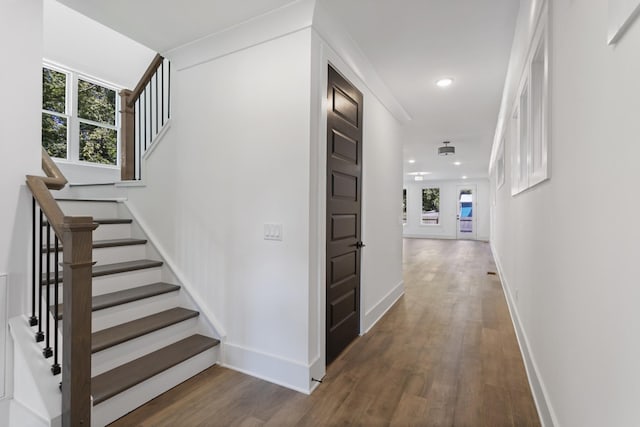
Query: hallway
[444, 355]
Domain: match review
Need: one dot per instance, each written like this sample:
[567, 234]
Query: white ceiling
[411, 44]
[166, 24]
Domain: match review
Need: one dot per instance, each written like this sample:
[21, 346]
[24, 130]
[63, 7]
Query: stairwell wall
[567, 248]
[20, 118]
[237, 157]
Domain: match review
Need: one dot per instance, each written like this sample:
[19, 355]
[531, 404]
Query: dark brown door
[344, 189]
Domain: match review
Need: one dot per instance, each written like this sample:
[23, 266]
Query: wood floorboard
[445, 355]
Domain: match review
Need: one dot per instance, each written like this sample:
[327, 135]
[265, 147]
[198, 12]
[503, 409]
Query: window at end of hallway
[430, 206]
[404, 206]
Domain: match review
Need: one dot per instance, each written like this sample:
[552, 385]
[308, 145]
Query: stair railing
[75, 234]
[144, 111]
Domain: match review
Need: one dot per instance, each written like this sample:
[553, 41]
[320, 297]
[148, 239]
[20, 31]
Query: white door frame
[474, 191]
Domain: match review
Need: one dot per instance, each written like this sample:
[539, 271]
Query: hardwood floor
[444, 355]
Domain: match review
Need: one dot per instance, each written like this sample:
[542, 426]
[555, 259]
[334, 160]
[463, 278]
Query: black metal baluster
[144, 95]
[148, 111]
[39, 334]
[162, 92]
[33, 320]
[139, 140]
[46, 352]
[169, 92]
[55, 368]
[157, 109]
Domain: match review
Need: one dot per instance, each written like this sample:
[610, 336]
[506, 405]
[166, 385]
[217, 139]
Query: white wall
[567, 249]
[446, 229]
[237, 157]
[75, 41]
[19, 145]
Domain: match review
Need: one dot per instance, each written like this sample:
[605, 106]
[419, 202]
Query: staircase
[147, 335]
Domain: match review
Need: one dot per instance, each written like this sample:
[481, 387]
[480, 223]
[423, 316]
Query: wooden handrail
[146, 78]
[40, 186]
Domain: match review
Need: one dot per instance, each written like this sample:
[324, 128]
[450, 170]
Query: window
[79, 117]
[430, 206]
[500, 166]
[530, 139]
[55, 118]
[404, 205]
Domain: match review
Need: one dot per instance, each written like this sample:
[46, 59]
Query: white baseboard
[540, 396]
[275, 369]
[372, 316]
[426, 236]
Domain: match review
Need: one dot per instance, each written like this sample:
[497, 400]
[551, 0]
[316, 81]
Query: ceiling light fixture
[419, 173]
[412, 161]
[418, 178]
[464, 176]
[457, 163]
[446, 150]
[444, 82]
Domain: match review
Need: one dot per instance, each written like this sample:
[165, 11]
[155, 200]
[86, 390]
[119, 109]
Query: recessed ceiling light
[444, 82]
[464, 176]
[457, 163]
[412, 161]
[419, 173]
[418, 178]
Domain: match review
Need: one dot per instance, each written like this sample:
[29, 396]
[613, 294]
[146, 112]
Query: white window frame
[530, 117]
[439, 223]
[500, 164]
[73, 121]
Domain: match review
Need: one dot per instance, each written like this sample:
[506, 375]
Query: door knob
[359, 245]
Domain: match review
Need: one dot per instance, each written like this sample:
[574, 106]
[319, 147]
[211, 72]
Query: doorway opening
[466, 218]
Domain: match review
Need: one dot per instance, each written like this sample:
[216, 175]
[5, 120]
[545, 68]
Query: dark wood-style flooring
[444, 355]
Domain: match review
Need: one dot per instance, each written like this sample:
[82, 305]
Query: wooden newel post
[127, 136]
[76, 324]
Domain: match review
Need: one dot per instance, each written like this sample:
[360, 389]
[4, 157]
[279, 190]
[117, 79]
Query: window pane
[54, 135]
[98, 144]
[404, 205]
[53, 90]
[96, 103]
[430, 205]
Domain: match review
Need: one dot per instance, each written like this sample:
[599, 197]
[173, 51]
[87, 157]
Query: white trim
[546, 413]
[264, 28]
[425, 236]
[186, 284]
[385, 304]
[269, 367]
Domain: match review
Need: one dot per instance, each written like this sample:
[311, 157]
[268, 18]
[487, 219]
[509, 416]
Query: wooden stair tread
[118, 267]
[117, 380]
[100, 302]
[103, 221]
[107, 243]
[115, 335]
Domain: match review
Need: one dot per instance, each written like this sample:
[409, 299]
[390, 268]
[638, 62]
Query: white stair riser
[127, 351]
[121, 281]
[112, 231]
[129, 279]
[108, 255]
[94, 209]
[125, 402]
[112, 316]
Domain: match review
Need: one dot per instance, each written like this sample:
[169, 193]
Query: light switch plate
[273, 232]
